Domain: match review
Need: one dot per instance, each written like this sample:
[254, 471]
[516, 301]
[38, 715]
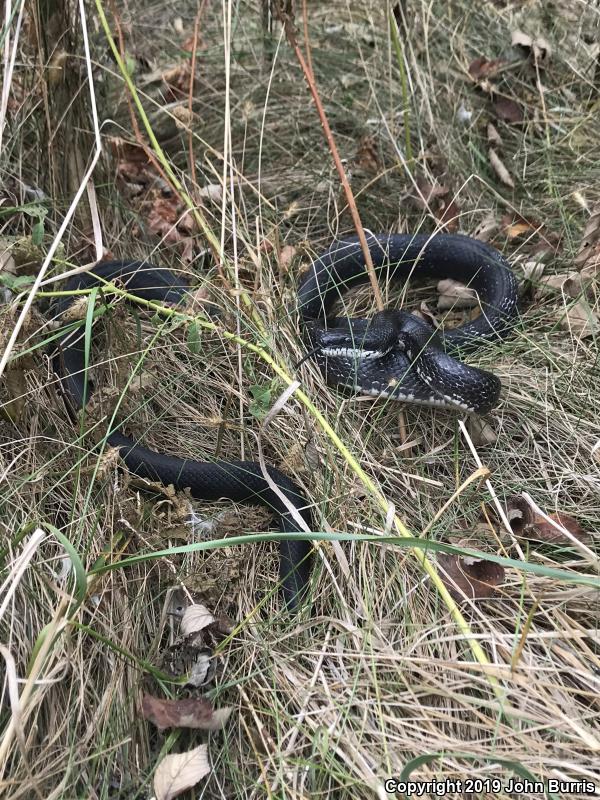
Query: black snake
[394, 355]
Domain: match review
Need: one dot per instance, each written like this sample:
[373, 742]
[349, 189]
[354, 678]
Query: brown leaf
[580, 320]
[508, 110]
[500, 169]
[486, 228]
[493, 136]
[538, 47]
[527, 524]
[469, 577]
[195, 618]
[590, 244]
[286, 256]
[546, 532]
[455, 295]
[428, 192]
[481, 431]
[483, 68]
[448, 215]
[367, 155]
[195, 713]
[568, 283]
[179, 772]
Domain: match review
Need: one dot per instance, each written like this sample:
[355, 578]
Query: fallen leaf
[367, 155]
[195, 618]
[568, 283]
[427, 192]
[470, 578]
[528, 524]
[184, 118]
[580, 320]
[197, 713]
[546, 532]
[500, 169]
[508, 110]
[481, 431]
[286, 256]
[493, 136]
[15, 385]
[486, 228]
[448, 215]
[455, 295]
[538, 47]
[533, 270]
[179, 772]
[589, 251]
[484, 68]
[212, 191]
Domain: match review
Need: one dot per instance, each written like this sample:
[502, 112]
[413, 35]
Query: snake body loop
[395, 354]
[240, 481]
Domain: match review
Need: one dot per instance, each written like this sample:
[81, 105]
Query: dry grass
[333, 704]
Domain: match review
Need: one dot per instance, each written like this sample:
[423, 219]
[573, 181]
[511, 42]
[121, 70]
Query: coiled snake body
[394, 354]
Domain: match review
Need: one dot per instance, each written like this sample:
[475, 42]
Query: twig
[308, 75]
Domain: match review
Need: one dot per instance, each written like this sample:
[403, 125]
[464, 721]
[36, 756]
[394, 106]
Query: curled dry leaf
[470, 578]
[486, 228]
[485, 68]
[286, 256]
[481, 431]
[508, 110]
[568, 283]
[589, 252]
[538, 47]
[580, 320]
[212, 191]
[493, 136]
[197, 713]
[527, 524]
[500, 169]
[179, 772]
[532, 270]
[455, 295]
[367, 155]
[196, 617]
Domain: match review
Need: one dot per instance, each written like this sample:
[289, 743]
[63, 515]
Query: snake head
[358, 338]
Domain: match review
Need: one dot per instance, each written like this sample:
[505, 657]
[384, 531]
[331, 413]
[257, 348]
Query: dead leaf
[486, 228]
[481, 431]
[589, 252]
[527, 524]
[179, 772]
[455, 295]
[493, 136]
[470, 578]
[428, 192]
[367, 155]
[286, 256]
[184, 118]
[500, 169]
[15, 385]
[56, 67]
[533, 270]
[580, 320]
[538, 47]
[568, 283]
[195, 618]
[484, 68]
[212, 191]
[448, 215]
[546, 532]
[197, 713]
[508, 110]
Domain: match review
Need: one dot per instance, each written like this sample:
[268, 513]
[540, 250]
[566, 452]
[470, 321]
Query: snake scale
[393, 355]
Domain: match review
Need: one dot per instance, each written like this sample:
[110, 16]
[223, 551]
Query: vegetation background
[207, 155]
